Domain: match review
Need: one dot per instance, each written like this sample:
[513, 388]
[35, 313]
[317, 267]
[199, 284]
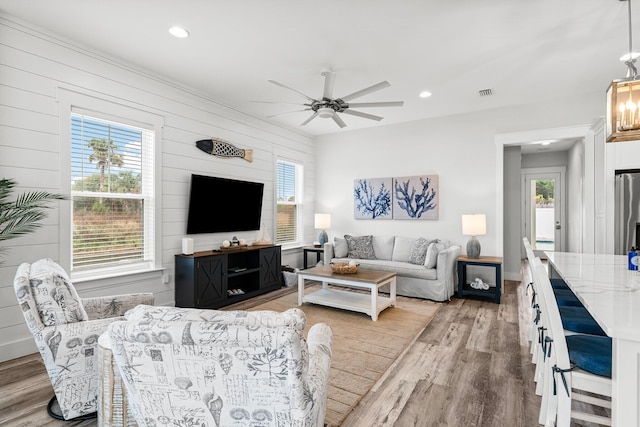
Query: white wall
[416, 148]
[574, 196]
[33, 66]
[537, 160]
[512, 212]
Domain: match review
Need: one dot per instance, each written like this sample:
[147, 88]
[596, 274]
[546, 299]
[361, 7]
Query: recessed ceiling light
[425, 94]
[179, 32]
[625, 57]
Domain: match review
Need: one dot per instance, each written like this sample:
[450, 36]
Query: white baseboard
[16, 349]
[517, 277]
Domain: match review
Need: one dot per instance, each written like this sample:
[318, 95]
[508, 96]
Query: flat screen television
[223, 205]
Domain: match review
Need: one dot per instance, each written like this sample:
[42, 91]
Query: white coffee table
[371, 304]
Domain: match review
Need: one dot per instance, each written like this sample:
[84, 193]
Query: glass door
[543, 211]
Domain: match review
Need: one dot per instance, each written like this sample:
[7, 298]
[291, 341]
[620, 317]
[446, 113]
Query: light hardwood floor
[470, 367]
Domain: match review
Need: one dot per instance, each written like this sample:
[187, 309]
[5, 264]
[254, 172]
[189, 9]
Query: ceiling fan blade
[313, 116]
[366, 91]
[376, 104]
[338, 120]
[329, 80]
[360, 114]
[291, 89]
[289, 112]
[277, 102]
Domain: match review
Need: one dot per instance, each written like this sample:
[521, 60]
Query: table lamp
[474, 225]
[322, 222]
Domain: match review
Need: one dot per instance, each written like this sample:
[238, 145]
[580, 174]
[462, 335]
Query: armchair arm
[319, 339]
[446, 268]
[55, 341]
[114, 305]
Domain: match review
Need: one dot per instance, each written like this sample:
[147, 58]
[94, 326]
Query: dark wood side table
[464, 287]
[307, 249]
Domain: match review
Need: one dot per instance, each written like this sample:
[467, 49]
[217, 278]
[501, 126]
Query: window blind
[111, 189]
[288, 195]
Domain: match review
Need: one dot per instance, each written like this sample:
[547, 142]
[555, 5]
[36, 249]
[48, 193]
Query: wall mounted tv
[223, 205]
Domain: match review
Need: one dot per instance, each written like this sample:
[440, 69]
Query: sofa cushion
[340, 248]
[383, 247]
[419, 251]
[431, 257]
[360, 247]
[56, 298]
[402, 248]
[402, 269]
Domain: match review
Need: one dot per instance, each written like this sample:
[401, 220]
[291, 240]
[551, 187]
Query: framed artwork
[416, 197]
[372, 198]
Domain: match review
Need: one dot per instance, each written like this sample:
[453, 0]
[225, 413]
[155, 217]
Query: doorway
[543, 220]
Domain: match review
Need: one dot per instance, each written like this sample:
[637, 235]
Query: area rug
[362, 349]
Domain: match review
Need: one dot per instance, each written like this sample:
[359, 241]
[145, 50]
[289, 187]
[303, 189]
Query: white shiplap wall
[34, 67]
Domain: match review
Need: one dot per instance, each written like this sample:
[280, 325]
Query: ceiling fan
[328, 106]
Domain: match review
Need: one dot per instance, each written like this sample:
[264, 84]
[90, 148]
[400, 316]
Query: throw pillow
[340, 248]
[419, 251]
[360, 247]
[402, 248]
[431, 257]
[383, 247]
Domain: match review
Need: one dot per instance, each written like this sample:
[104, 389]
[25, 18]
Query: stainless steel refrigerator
[627, 215]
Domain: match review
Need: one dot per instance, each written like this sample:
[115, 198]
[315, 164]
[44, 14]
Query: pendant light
[623, 100]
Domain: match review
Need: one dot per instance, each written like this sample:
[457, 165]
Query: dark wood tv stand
[203, 279]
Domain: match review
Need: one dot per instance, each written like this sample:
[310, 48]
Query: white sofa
[425, 268]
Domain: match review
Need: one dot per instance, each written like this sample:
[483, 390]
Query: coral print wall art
[372, 198]
[415, 197]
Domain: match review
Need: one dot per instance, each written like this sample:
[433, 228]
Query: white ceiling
[524, 50]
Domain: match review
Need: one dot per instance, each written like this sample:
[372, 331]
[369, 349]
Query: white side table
[113, 409]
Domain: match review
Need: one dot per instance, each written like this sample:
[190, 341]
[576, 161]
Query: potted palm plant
[23, 214]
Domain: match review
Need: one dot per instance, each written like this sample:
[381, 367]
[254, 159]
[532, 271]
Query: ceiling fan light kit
[623, 101]
[325, 112]
[330, 107]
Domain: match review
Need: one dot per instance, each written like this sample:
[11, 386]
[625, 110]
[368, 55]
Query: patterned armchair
[66, 330]
[222, 368]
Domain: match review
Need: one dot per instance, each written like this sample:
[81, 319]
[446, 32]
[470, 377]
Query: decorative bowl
[344, 268]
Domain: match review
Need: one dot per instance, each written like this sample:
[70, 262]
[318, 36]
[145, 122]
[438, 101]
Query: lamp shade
[474, 224]
[322, 221]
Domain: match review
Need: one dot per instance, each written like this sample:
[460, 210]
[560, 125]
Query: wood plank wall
[34, 67]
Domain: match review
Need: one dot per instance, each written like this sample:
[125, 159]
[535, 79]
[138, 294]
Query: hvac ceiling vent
[485, 92]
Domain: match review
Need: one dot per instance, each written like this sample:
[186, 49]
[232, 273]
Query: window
[289, 203]
[112, 191]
